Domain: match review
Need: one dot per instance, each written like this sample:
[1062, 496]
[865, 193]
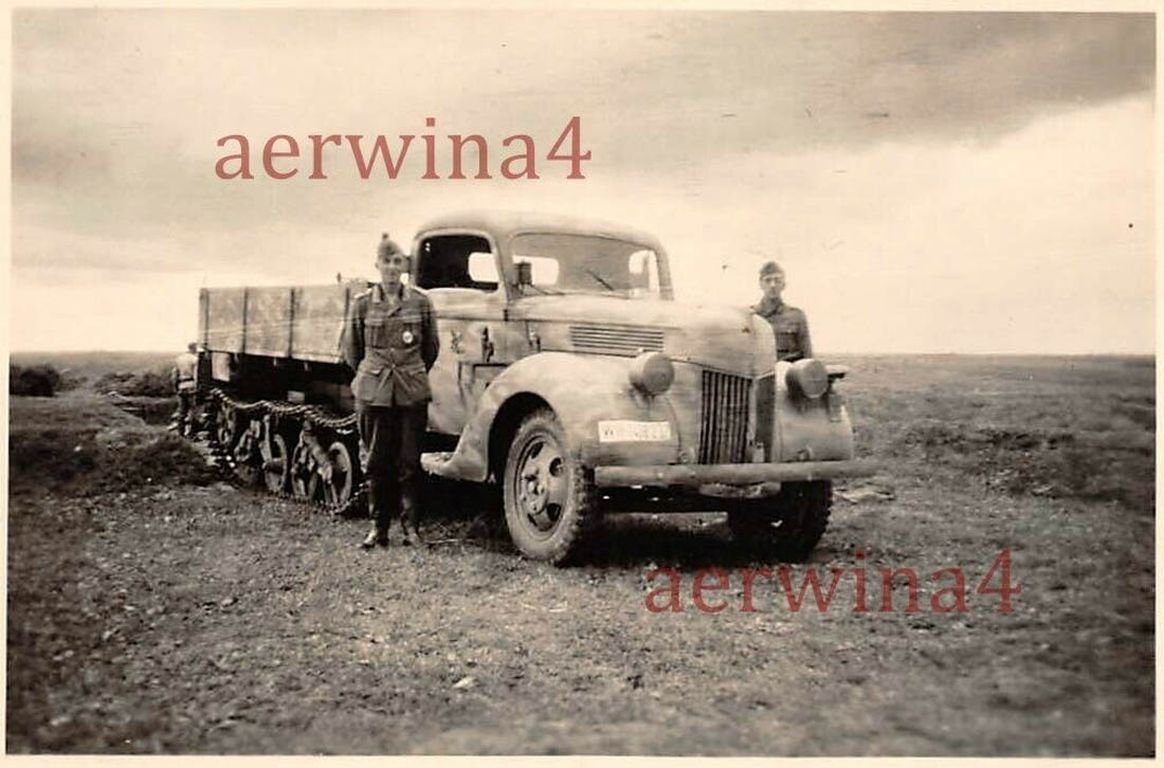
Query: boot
[376, 535]
[379, 531]
[408, 520]
[412, 536]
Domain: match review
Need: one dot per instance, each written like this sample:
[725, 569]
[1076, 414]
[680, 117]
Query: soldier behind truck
[390, 341]
[788, 323]
[184, 379]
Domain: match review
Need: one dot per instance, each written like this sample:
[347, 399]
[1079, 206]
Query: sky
[931, 182]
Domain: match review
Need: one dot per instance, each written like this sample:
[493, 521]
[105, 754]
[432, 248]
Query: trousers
[390, 437]
[185, 403]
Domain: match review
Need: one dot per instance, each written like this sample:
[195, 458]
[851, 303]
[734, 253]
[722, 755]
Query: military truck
[569, 379]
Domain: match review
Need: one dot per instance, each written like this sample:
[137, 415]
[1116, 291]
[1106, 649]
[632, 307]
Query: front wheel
[548, 495]
[786, 526]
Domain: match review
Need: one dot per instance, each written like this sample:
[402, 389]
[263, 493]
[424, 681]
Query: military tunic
[790, 326]
[391, 345]
[184, 376]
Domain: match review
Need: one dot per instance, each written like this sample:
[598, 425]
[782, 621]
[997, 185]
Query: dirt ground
[153, 608]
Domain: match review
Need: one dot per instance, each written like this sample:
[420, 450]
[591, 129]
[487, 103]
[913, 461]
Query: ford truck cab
[569, 375]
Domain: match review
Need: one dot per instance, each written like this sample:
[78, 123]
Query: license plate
[623, 431]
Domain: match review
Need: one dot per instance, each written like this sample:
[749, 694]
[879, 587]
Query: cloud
[878, 143]
[791, 82]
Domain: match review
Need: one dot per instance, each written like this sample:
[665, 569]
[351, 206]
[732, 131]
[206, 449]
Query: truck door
[460, 273]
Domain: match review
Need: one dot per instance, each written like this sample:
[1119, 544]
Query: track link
[224, 440]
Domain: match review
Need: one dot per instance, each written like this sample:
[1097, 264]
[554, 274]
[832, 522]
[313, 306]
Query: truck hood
[720, 336]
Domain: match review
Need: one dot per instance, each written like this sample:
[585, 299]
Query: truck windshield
[562, 263]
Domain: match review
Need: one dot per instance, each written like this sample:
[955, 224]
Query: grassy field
[1079, 427]
[89, 366]
[154, 609]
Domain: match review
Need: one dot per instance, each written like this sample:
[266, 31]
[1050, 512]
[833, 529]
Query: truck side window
[483, 268]
[444, 263]
[644, 273]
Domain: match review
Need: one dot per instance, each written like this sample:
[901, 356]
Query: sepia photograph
[648, 382]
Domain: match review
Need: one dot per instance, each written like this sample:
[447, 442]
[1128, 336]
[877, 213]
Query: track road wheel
[276, 464]
[248, 455]
[303, 475]
[338, 481]
[226, 426]
[548, 495]
[248, 471]
[786, 526]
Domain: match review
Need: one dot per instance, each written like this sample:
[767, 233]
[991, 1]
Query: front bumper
[707, 475]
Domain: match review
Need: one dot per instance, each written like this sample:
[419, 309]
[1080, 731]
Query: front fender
[582, 390]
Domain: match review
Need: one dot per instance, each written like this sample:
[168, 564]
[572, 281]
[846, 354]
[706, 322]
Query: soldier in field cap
[788, 323]
[390, 341]
[184, 378]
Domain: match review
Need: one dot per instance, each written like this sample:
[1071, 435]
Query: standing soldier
[390, 341]
[183, 378]
[788, 323]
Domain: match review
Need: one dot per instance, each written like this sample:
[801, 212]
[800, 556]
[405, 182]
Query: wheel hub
[541, 490]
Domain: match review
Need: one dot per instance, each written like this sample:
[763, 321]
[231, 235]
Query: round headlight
[652, 372]
[808, 377]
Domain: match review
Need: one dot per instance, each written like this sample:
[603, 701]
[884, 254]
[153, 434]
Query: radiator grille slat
[765, 403]
[723, 436]
[616, 339]
[742, 422]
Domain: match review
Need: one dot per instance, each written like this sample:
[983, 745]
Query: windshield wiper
[599, 278]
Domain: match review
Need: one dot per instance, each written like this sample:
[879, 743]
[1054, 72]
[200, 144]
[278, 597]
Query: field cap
[387, 247]
[770, 268]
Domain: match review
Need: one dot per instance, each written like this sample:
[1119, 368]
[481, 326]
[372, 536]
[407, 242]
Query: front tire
[787, 526]
[548, 495]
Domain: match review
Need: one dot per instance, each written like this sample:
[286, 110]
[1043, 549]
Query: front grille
[765, 407]
[723, 438]
[616, 339]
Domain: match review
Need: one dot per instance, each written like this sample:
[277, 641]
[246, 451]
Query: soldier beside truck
[183, 377]
[568, 378]
[390, 342]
